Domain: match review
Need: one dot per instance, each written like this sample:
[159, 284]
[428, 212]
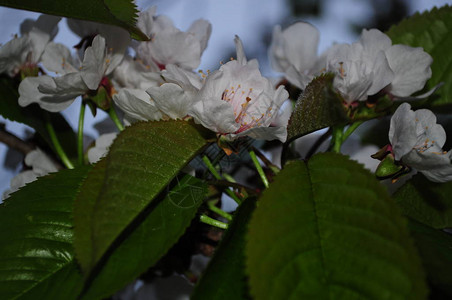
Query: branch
[13, 141]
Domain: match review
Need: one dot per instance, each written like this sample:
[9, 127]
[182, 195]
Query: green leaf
[317, 107]
[36, 234]
[225, 276]
[165, 223]
[426, 202]
[143, 159]
[431, 30]
[122, 13]
[327, 229]
[435, 250]
[34, 117]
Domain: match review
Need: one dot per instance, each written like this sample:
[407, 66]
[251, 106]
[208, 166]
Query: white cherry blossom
[25, 51]
[169, 45]
[237, 101]
[417, 141]
[294, 52]
[57, 93]
[362, 68]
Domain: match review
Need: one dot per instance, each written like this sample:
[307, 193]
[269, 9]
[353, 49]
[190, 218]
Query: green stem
[266, 161]
[115, 119]
[350, 130]
[56, 143]
[208, 220]
[81, 120]
[219, 211]
[259, 168]
[217, 176]
[336, 139]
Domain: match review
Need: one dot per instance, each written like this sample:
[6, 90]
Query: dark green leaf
[121, 13]
[435, 249]
[432, 31]
[327, 229]
[143, 159]
[317, 107]
[36, 234]
[35, 117]
[164, 224]
[225, 277]
[426, 202]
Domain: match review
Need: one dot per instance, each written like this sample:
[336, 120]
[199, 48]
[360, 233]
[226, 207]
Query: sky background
[251, 20]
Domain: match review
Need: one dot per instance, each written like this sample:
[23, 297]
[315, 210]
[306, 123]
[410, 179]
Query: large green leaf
[427, 202]
[327, 229]
[143, 159]
[121, 13]
[225, 277]
[35, 117]
[431, 30]
[317, 107]
[435, 249]
[163, 225]
[36, 233]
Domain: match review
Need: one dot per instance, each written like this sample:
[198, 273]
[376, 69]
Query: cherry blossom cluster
[159, 81]
[369, 66]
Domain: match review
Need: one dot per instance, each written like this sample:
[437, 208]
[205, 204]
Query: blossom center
[241, 100]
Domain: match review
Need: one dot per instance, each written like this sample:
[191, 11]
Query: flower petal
[411, 67]
[137, 105]
[402, 131]
[171, 99]
[94, 63]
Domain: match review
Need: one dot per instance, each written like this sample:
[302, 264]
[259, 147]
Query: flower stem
[219, 211]
[217, 176]
[81, 120]
[56, 143]
[336, 139]
[259, 168]
[115, 119]
[208, 220]
[350, 130]
[266, 161]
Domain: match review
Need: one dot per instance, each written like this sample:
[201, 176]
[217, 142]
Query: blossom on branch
[57, 93]
[24, 53]
[237, 101]
[417, 141]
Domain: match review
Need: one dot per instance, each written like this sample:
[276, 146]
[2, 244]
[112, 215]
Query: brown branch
[14, 142]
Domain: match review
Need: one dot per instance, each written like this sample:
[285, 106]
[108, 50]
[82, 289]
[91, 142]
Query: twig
[14, 142]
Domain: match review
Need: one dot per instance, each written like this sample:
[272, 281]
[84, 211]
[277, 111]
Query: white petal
[372, 42]
[40, 162]
[13, 54]
[179, 48]
[101, 147]
[53, 102]
[202, 30]
[426, 123]
[171, 99]
[146, 20]
[133, 74]
[382, 74]
[94, 63]
[435, 166]
[40, 33]
[411, 67]
[241, 57]
[137, 104]
[188, 80]
[402, 131]
[57, 58]
[214, 114]
[295, 46]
